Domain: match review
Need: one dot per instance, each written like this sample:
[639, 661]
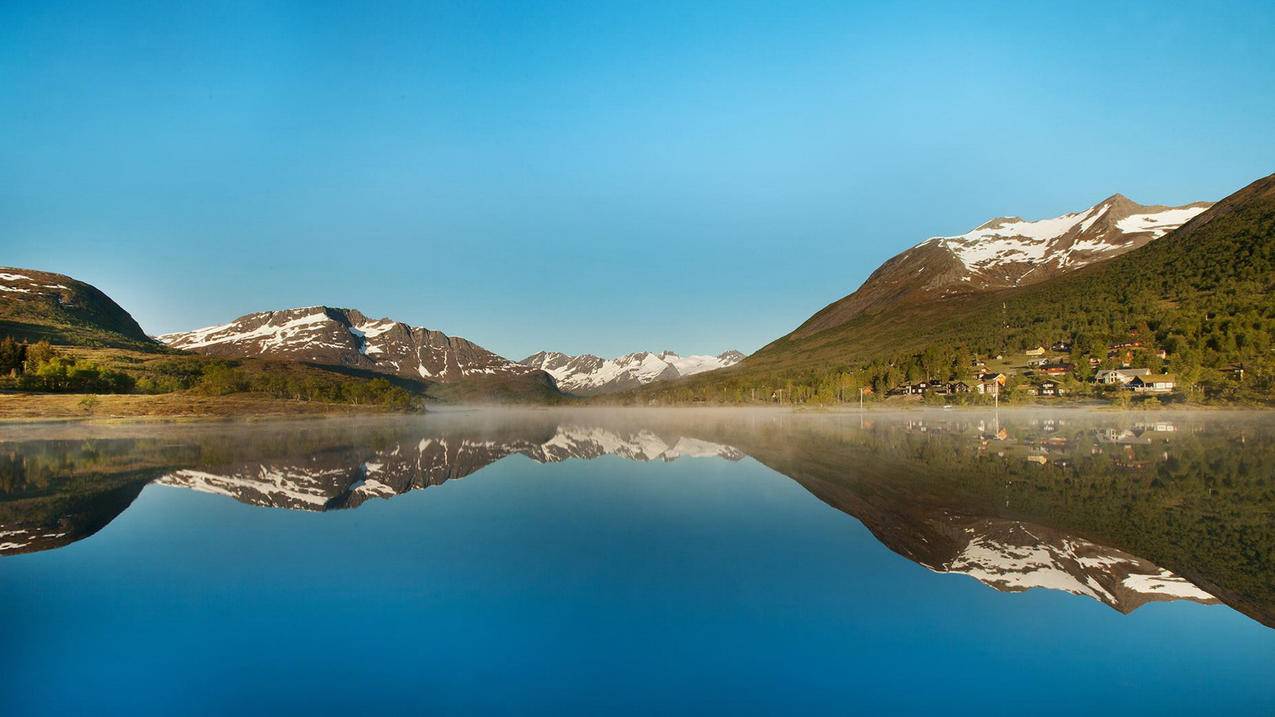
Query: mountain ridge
[1005, 252]
[590, 375]
[348, 338]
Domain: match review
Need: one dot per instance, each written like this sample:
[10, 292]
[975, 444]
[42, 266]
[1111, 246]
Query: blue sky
[596, 177]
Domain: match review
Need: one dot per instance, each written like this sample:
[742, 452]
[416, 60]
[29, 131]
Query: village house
[1163, 383]
[1061, 346]
[1061, 369]
[990, 383]
[1038, 351]
[1120, 376]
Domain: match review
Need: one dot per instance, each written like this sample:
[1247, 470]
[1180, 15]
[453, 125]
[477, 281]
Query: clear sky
[590, 177]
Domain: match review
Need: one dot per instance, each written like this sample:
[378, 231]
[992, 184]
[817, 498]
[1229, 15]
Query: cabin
[1120, 376]
[1061, 347]
[1164, 383]
[958, 387]
[1038, 351]
[1061, 369]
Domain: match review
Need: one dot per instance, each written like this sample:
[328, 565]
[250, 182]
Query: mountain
[1199, 294]
[589, 375]
[1006, 252]
[37, 305]
[346, 338]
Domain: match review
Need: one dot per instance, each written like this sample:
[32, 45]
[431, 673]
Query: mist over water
[581, 561]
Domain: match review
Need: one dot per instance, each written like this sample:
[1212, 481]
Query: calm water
[640, 562]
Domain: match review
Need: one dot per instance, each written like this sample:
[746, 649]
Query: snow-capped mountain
[345, 337]
[588, 375]
[1005, 252]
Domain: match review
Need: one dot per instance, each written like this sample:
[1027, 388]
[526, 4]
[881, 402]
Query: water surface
[641, 561]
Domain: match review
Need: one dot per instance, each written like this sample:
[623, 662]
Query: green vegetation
[41, 367]
[1203, 294]
[63, 311]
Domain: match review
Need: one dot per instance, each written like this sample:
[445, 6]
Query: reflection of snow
[1021, 561]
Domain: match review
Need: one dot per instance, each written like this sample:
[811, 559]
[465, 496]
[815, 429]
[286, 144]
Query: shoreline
[24, 409]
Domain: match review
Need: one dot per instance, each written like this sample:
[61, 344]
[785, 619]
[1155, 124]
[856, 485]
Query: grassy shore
[182, 405]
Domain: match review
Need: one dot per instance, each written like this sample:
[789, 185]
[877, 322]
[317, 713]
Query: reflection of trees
[1198, 500]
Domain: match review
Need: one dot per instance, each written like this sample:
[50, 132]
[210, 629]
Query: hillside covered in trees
[1202, 295]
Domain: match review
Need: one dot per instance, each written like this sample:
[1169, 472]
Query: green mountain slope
[40, 305]
[1203, 293]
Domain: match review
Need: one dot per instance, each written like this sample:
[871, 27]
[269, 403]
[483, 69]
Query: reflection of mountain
[1012, 556]
[1174, 514]
[29, 526]
[347, 479]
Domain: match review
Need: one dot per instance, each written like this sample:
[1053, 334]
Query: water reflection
[1121, 511]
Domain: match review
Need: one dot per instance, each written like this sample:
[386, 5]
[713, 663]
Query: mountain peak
[1006, 252]
[346, 337]
[588, 375]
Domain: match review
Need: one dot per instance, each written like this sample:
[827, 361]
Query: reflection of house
[1163, 383]
[1120, 376]
[1049, 388]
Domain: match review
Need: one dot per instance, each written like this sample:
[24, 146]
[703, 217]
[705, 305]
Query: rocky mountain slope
[347, 338]
[37, 305]
[1006, 252]
[589, 375]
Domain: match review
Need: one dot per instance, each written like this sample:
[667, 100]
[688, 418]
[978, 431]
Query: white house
[1121, 376]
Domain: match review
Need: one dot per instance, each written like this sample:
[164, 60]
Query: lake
[635, 561]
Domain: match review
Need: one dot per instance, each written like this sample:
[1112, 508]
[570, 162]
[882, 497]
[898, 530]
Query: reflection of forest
[1096, 505]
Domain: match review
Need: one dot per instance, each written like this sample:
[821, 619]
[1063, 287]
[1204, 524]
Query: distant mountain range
[1108, 271]
[346, 337]
[589, 375]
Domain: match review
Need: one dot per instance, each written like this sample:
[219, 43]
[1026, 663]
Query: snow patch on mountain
[1159, 223]
[345, 337]
[589, 375]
